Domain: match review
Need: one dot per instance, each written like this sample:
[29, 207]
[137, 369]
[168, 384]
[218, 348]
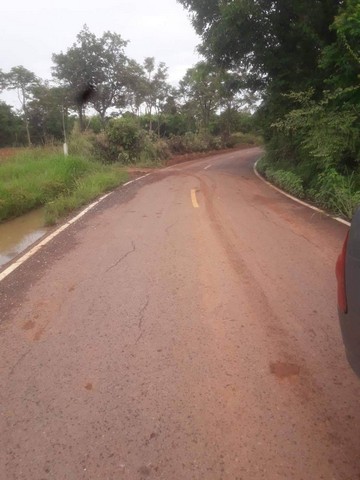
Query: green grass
[37, 178]
[328, 189]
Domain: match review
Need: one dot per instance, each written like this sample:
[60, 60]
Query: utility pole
[66, 152]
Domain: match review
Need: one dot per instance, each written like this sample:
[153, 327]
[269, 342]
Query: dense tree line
[95, 80]
[303, 57]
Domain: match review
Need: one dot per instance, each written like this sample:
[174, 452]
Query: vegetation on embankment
[303, 58]
[97, 163]
[39, 177]
[328, 189]
[125, 140]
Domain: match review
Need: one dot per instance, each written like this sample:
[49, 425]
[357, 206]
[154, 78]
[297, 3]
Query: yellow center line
[194, 199]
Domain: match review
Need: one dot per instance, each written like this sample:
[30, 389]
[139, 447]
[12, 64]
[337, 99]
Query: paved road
[184, 329]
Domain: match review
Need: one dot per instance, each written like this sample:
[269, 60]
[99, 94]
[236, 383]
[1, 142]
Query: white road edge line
[340, 220]
[48, 239]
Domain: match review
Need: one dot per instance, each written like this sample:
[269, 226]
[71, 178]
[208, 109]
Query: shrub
[154, 150]
[336, 192]
[176, 144]
[125, 135]
[288, 181]
[81, 143]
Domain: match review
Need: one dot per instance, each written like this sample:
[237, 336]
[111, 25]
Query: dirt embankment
[187, 157]
[193, 156]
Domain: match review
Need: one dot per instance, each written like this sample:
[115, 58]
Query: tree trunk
[24, 107]
[81, 119]
[150, 125]
[102, 118]
[28, 132]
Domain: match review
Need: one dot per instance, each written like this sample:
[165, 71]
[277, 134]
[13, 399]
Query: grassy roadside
[328, 189]
[37, 178]
[43, 177]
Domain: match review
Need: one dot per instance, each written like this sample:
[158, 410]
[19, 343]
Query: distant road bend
[185, 328]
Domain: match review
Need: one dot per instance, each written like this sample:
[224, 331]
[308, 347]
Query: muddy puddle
[18, 234]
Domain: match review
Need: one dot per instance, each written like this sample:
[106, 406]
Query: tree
[96, 66]
[200, 91]
[12, 131]
[272, 40]
[341, 59]
[48, 113]
[24, 82]
[327, 128]
[156, 87]
[2, 81]
[135, 90]
[279, 44]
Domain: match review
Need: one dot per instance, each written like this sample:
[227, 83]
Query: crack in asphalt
[20, 359]
[123, 257]
[141, 319]
[169, 227]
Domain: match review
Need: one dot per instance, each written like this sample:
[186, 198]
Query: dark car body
[348, 276]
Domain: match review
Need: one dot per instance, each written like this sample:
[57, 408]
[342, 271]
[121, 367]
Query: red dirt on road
[185, 328]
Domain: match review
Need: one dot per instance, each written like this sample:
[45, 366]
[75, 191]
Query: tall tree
[278, 43]
[200, 91]
[273, 40]
[135, 90]
[12, 131]
[24, 82]
[48, 113]
[94, 70]
[156, 86]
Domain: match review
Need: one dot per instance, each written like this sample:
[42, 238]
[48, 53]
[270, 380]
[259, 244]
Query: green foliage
[304, 56]
[239, 138]
[81, 143]
[328, 189]
[336, 192]
[288, 181]
[48, 114]
[95, 124]
[276, 42]
[36, 178]
[233, 120]
[168, 124]
[12, 131]
[154, 151]
[327, 130]
[87, 188]
[24, 82]
[126, 138]
[341, 59]
[199, 89]
[99, 62]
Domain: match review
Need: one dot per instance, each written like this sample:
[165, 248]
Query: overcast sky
[31, 31]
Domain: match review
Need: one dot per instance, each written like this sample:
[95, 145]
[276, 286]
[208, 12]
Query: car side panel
[350, 321]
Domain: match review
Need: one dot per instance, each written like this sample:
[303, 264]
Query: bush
[240, 138]
[125, 135]
[154, 150]
[288, 181]
[336, 192]
[194, 142]
[81, 143]
[176, 144]
[328, 189]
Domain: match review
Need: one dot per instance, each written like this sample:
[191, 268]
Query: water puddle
[18, 234]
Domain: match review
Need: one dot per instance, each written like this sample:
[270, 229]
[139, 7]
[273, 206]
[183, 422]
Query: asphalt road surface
[185, 328]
